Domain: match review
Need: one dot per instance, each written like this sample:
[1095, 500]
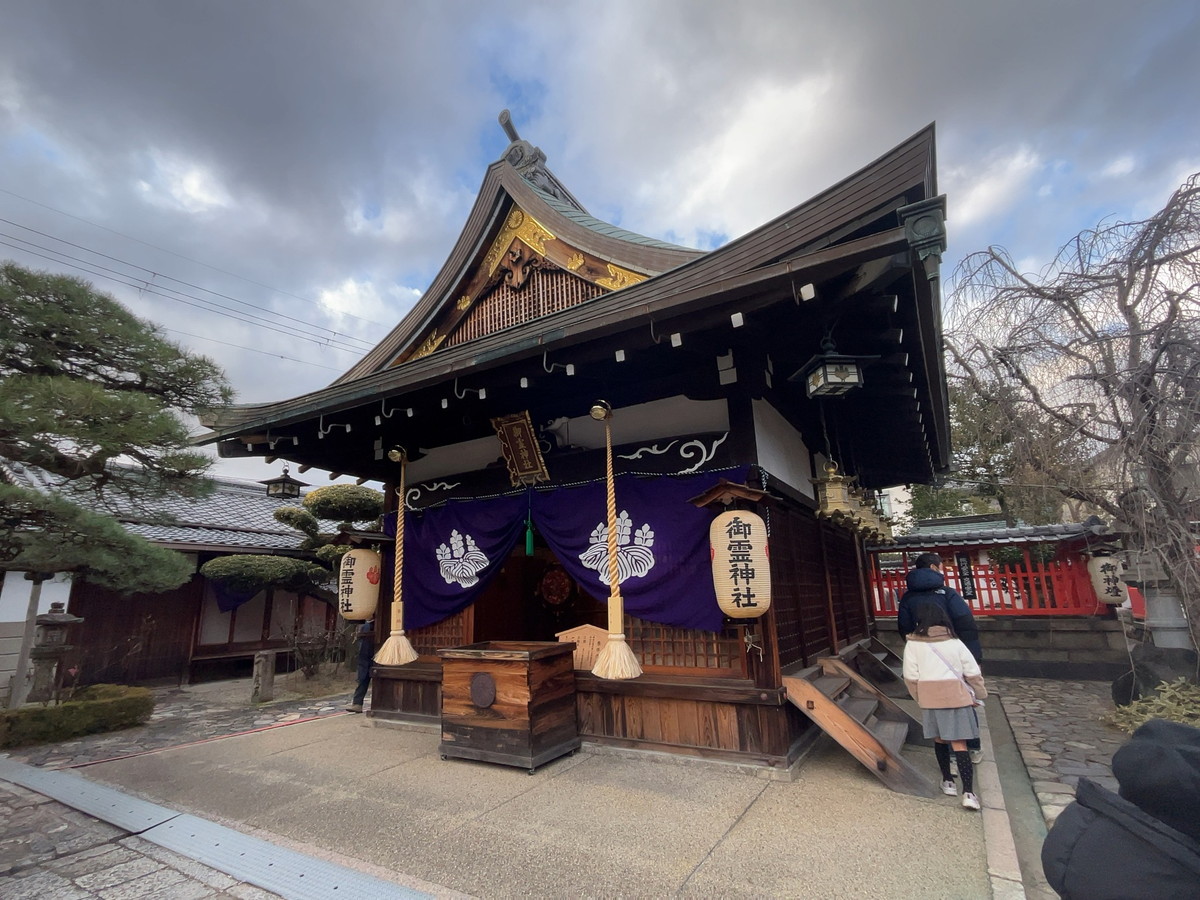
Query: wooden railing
[1055, 588]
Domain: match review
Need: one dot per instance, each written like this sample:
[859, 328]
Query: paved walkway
[50, 850]
[181, 716]
[1058, 729]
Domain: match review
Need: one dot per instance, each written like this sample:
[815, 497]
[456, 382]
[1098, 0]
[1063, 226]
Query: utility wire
[367, 344]
[144, 286]
[179, 255]
[251, 349]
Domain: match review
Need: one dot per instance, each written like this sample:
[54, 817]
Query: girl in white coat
[944, 679]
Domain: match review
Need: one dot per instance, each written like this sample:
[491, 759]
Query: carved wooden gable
[528, 272]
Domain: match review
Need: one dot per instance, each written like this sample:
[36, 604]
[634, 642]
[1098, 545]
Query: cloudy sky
[276, 182]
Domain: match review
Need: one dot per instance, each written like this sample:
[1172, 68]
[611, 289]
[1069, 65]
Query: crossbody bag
[975, 701]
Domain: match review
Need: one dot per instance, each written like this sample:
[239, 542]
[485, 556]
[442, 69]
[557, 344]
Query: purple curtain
[452, 553]
[664, 565]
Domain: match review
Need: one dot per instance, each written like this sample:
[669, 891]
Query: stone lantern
[49, 647]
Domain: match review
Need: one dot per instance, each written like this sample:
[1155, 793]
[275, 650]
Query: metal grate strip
[292, 875]
[105, 803]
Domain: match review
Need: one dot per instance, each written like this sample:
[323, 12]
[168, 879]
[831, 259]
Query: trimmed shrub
[93, 709]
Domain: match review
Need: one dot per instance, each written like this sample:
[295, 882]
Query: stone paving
[1058, 729]
[48, 850]
[181, 716]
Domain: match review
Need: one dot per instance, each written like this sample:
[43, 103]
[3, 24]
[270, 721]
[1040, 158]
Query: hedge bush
[93, 709]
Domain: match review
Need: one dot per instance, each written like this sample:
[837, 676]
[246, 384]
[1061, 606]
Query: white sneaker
[970, 801]
[950, 788]
[977, 756]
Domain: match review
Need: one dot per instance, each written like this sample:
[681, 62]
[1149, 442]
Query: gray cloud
[334, 149]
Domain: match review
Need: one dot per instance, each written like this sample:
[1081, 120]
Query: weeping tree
[1102, 350]
[1005, 459]
[93, 405]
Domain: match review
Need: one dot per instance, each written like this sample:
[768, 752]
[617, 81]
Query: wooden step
[890, 733]
[832, 686]
[859, 708]
[877, 667]
[867, 723]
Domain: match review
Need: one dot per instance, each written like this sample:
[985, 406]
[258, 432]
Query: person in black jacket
[1142, 843]
[927, 584]
[366, 656]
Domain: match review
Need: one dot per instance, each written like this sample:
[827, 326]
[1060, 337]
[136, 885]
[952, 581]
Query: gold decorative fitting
[575, 261]
[619, 278]
[430, 344]
[521, 226]
[464, 301]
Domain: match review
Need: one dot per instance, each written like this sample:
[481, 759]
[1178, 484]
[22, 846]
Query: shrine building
[788, 375]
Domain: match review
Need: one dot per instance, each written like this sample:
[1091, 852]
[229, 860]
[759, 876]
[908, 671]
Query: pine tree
[96, 399]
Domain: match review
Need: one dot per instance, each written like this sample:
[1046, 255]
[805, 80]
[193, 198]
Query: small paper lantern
[1106, 572]
[741, 570]
[358, 584]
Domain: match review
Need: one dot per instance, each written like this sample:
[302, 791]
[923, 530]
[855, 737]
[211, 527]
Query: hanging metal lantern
[358, 584]
[740, 563]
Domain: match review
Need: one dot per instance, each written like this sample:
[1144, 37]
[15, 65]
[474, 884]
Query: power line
[367, 344]
[251, 349]
[179, 255]
[144, 286]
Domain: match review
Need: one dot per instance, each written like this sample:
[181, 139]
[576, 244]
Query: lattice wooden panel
[547, 291]
[450, 632]
[661, 647]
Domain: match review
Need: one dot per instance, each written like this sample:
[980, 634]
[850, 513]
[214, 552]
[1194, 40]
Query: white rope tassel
[397, 649]
[616, 660]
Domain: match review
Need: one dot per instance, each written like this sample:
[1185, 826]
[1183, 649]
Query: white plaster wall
[781, 450]
[646, 422]
[14, 606]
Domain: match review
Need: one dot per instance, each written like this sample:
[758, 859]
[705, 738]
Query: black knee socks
[965, 770]
[942, 752]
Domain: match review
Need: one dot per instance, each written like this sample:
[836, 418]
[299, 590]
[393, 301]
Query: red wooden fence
[1060, 587]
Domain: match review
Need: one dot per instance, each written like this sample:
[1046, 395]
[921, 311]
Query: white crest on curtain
[462, 561]
[633, 559]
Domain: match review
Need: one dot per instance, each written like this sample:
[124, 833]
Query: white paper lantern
[1106, 572]
[741, 569]
[358, 584]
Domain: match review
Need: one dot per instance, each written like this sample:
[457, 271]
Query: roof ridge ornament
[530, 163]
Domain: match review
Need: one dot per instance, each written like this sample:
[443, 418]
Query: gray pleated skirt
[958, 724]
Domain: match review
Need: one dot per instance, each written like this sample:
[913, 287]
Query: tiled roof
[236, 514]
[576, 215]
[1026, 534]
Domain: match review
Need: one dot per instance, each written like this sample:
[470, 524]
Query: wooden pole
[616, 659]
[397, 650]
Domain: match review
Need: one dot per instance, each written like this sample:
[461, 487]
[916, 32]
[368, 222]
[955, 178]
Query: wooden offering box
[509, 702]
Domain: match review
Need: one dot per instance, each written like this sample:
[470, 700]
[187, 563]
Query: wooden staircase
[876, 662]
[862, 718]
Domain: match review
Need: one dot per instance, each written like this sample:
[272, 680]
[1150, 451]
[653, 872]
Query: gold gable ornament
[741, 565]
